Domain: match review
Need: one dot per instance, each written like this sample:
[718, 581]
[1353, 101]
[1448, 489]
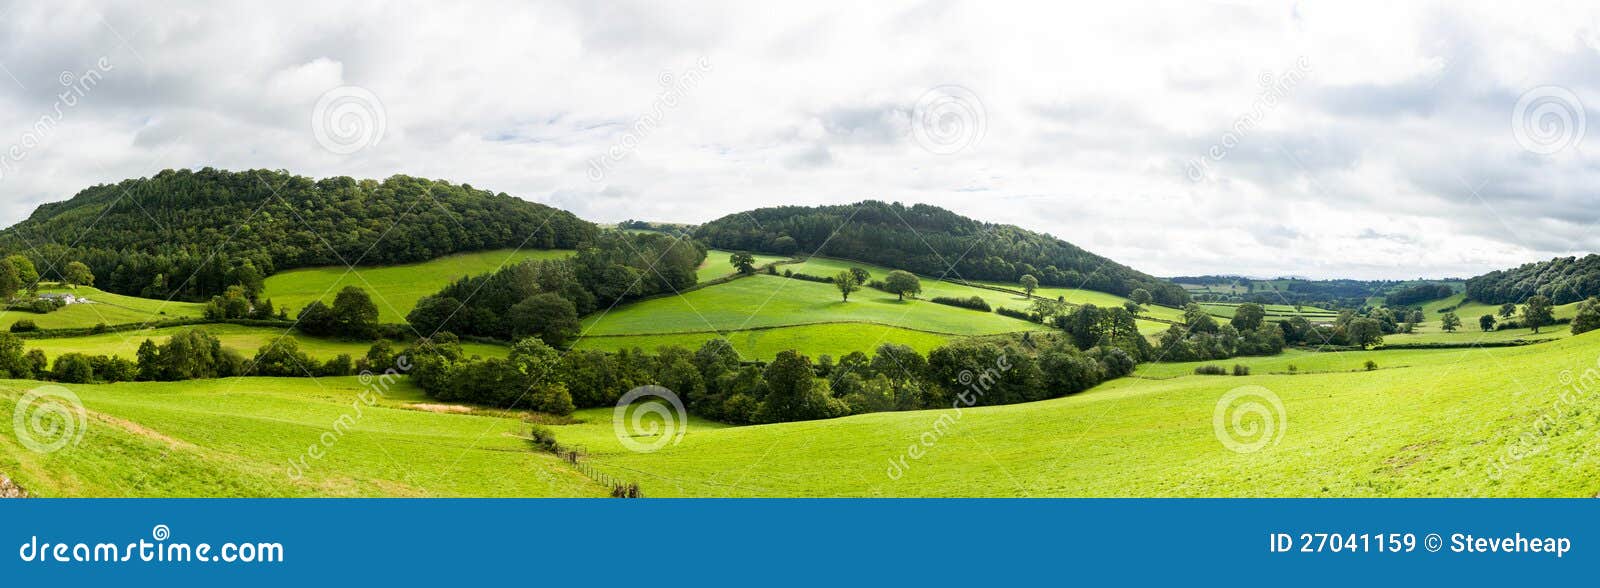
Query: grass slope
[395, 289]
[1440, 426]
[836, 339]
[105, 307]
[771, 301]
[237, 437]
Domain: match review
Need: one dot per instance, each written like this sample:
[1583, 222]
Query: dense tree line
[926, 239]
[1563, 280]
[1418, 294]
[191, 234]
[544, 298]
[714, 383]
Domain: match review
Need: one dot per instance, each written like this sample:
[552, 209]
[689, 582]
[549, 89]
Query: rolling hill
[931, 241]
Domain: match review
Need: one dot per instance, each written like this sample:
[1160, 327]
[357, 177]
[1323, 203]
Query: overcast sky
[1322, 140]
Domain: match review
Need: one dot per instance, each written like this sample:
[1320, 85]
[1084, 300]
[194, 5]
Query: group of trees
[544, 298]
[714, 383]
[352, 316]
[189, 355]
[1201, 338]
[212, 229]
[925, 240]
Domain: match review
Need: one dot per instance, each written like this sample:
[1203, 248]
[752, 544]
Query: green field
[1437, 427]
[103, 308]
[245, 340]
[1274, 312]
[395, 289]
[716, 264]
[836, 339]
[238, 437]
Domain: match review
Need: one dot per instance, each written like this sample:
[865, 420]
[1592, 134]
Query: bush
[1019, 314]
[1211, 370]
[1371, 365]
[1241, 369]
[542, 438]
[974, 303]
[24, 326]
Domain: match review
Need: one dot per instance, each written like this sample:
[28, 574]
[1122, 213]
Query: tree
[1486, 322]
[1588, 317]
[548, 316]
[1538, 313]
[862, 276]
[1029, 284]
[1364, 332]
[793, 392]
[1140, 296]
[846, 283]
[744, 262]
[1508, 309]
[354, 314]
[77, 274]
[9, 282]
[26, 272]
[1248, 316]
[902, 282]
[1451, 322]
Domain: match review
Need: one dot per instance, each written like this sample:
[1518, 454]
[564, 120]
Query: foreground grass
[1446, 424]
[395, 289]
[237, 437]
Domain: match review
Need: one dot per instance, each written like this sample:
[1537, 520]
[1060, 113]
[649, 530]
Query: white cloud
[1393, 157]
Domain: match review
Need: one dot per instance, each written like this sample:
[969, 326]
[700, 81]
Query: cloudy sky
[1320, 139]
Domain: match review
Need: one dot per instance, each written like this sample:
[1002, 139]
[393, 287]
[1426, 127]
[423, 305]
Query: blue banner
[744, 542]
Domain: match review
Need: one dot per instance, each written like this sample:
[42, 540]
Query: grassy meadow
[243, 339]
[716, 264]
[395, 289]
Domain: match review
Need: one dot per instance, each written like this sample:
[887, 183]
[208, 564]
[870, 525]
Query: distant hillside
[1563, 280]
[927, 240]
[190, 234]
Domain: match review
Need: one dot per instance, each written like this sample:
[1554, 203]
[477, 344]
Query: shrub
[542, 438]
[24, 326]
[1240, 369]
[1371, 365]
[1019, 314]
[1211, 370]
[974, 303]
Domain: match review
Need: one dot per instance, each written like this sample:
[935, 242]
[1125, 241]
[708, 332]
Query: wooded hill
[190, 234]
